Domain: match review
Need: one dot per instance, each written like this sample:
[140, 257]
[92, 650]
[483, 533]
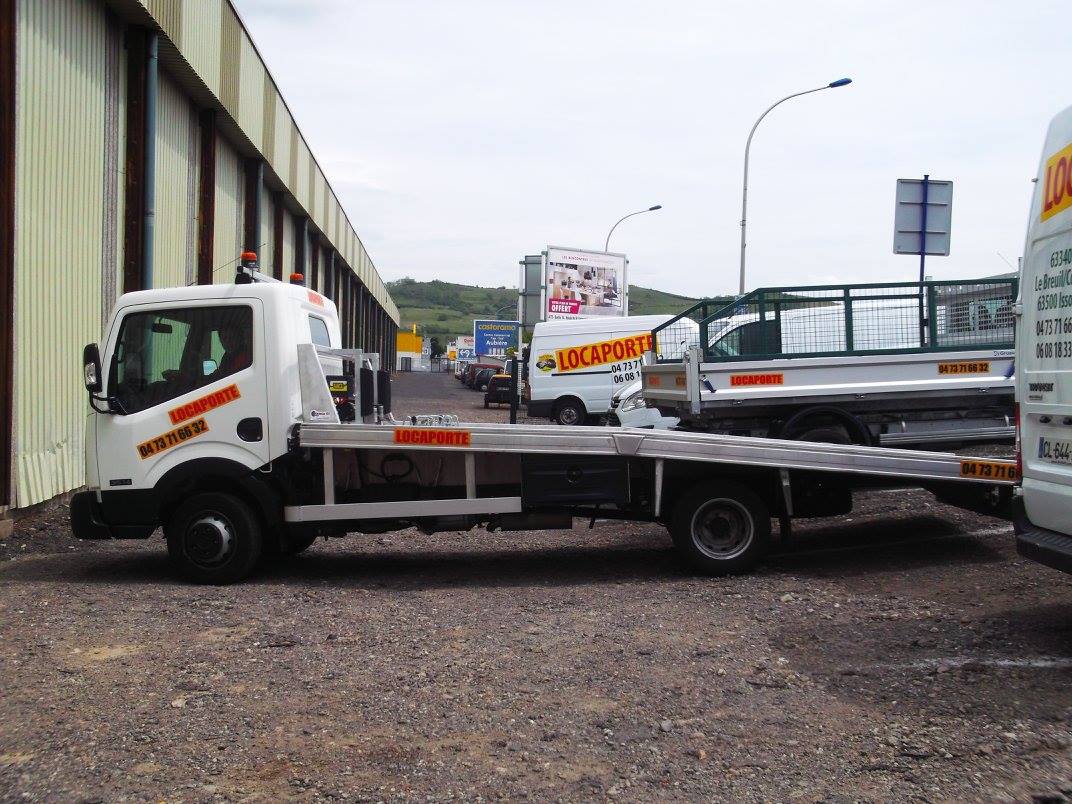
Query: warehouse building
[142, 144]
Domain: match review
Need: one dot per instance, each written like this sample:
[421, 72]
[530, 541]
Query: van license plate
[1055, 451]
[991, 470]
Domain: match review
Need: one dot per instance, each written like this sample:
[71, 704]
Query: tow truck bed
[650, 451]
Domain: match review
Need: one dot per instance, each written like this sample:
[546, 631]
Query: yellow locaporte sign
[1057, 183]
[601, 353]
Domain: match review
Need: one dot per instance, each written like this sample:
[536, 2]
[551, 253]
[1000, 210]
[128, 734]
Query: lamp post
[606, 246]
[744, 193]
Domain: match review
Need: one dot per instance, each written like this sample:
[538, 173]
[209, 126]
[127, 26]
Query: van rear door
[1044, 357]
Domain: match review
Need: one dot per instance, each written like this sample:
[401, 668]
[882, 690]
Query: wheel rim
[722, 529]
[209, 540]
[569, 415]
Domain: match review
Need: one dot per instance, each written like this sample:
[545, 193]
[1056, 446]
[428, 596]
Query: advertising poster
[493, 338]
[582, 284]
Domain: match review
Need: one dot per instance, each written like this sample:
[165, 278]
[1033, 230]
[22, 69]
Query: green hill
[445, 309]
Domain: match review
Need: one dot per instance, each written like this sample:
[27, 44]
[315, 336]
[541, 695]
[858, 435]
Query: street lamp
[498, 312]
[744, 194]
[606, 246]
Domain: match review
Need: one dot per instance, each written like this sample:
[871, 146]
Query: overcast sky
[463, 135]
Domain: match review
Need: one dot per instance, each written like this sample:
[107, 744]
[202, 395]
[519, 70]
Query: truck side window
[164, 354]
[318, 330]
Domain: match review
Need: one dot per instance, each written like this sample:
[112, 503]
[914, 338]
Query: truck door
[1044, 339]
[188, 380]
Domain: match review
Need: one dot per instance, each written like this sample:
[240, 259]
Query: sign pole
[513, 389]
[923, 259]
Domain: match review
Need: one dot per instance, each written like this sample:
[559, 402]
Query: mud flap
[996, 501]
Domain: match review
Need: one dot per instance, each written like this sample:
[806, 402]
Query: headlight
[632, 402]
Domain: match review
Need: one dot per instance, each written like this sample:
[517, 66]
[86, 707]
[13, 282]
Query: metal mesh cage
[835, 320]
[672, 339]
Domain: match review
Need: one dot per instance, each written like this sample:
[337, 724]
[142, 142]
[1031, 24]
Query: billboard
[582, 284]
[466, 349]
[493, 338]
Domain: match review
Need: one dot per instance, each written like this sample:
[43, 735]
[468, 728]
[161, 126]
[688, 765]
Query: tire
[214, 538]
[570, 413]
[827, 435]
[720, 528]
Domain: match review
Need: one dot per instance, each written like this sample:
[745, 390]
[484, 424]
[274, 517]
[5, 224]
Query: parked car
[498, 390]
[482, 378]
[629, 409]
[474, 368]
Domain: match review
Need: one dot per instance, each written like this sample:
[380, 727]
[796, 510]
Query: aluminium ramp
[666, 445]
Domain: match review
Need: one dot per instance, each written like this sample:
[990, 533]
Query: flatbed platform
[672, 445]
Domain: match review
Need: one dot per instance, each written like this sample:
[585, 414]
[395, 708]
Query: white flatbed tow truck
[229, 416]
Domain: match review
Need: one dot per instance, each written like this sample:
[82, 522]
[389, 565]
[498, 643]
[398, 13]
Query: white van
[1044, 359]
[575, 366]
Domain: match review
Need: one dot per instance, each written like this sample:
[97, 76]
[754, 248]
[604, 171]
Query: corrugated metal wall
[175, 222]
[200, 43]
[70, 195]
[115, 131]
[59, 235]
[227, 245]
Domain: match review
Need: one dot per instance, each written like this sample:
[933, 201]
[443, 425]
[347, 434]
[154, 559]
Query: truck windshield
[163, 354]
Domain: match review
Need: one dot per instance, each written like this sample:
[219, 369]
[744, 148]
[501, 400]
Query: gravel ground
[904, 652]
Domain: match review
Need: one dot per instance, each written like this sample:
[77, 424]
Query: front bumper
[88, 521]
[541, 408]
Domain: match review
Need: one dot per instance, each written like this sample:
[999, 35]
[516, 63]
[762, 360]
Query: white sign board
[908, 217]
[582, 284]
[466, 348]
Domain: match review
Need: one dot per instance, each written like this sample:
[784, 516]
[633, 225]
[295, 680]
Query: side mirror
[91, 368]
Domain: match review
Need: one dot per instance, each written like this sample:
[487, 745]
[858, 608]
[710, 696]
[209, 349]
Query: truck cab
[1044, 359]
[195, 391]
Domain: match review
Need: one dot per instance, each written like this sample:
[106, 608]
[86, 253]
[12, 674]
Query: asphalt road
[903, 652]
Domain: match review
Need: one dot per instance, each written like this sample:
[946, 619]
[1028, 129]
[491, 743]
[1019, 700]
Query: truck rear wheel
[721, 528]
[827, 435]
[214, 538]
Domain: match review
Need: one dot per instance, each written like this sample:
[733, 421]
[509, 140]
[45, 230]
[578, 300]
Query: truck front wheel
[214, 538]
[720, 528]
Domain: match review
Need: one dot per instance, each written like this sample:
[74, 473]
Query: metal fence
[839, 320]
[670, 340]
